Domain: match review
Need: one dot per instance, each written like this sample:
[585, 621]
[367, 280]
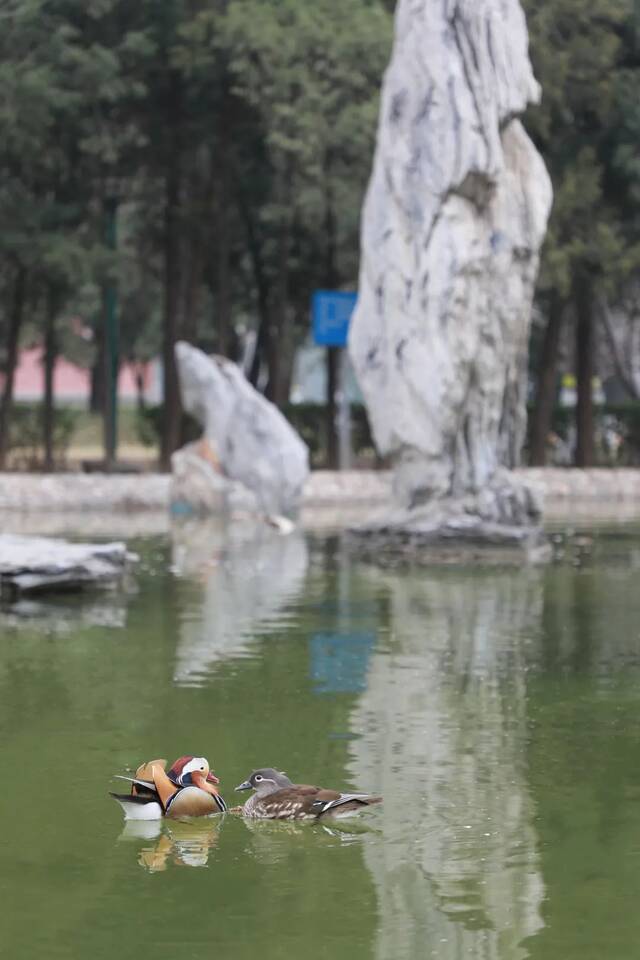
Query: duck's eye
[202, 768]
[258, 778]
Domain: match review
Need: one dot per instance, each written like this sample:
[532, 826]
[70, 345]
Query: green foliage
[236, 136]
[586, 58]
[309, 419]
[25, 435]
[617, 432]
[149, 426]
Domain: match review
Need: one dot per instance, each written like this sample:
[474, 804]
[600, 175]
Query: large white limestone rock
[454, 217]
[249, 456]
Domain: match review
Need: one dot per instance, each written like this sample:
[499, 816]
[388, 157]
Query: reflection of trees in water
[248, 572]
[443, 725]
[591, 616]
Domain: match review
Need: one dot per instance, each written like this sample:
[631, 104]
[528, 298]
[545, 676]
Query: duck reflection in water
[191, 844]
[183, 844]
[274, 841]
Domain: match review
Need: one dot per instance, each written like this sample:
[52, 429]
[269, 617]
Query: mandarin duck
[187, 789]
[277, 798]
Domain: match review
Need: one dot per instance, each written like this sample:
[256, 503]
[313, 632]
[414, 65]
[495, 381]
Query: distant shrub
[149, 426]
[617, 434]
[26, 446]
[308, 419]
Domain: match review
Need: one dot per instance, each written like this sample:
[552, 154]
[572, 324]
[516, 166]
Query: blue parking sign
[331, 313]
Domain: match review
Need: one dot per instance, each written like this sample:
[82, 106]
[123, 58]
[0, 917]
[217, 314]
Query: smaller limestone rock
[39, 564]
[249, 457]
[198, 486]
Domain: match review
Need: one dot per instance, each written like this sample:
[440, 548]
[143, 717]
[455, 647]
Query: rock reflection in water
[443, 735]
[249, 572]
[55, 615]
[185, 844]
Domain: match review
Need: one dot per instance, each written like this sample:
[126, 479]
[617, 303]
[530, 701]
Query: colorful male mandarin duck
[277, 798]
[188, 789]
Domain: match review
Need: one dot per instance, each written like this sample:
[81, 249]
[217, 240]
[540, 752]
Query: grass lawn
[87, 438]
[79, 437]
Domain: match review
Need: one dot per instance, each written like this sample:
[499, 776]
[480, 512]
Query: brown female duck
[277, 798]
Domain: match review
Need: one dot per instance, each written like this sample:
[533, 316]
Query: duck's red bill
[211, 777]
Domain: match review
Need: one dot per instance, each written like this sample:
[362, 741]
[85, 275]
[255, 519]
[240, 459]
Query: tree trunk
[333, 353]
[98, 387]
[261, 343]
[202, 177]
[273, 358]
[48, 409]
[139, 374]
[172, 405]
[624, 349]
[278, 344]
[262, 290]
[111, 347]
[585, 448]
[333, 366]
[193, 269]
[546, 390]
[223, 266]
[13, 337]
[278, 332]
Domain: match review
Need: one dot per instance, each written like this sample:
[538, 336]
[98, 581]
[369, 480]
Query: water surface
[498, 711]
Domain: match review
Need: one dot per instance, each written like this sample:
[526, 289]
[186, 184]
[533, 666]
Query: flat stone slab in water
[430, 536]
[38, 564]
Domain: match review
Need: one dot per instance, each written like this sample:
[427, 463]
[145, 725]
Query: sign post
[331, 314]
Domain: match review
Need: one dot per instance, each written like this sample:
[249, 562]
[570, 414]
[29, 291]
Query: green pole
[111, 342]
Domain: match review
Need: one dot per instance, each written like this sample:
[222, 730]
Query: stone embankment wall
[121, 493]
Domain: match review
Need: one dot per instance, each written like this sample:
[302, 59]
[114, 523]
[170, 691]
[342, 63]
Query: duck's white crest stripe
[194, 764]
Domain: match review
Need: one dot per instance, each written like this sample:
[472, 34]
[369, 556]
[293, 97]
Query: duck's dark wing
[331, 803]
[328, 801]
[134, 800]
[143, 788]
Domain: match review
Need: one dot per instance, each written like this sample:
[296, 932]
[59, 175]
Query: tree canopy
[232, 142]
[233, 136]
[587, 58]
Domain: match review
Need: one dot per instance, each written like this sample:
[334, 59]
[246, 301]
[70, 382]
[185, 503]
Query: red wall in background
[71, 383]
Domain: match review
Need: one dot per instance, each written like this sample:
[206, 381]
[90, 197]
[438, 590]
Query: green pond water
[497, 711]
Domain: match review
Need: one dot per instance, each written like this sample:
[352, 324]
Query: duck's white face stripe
[195, 764]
